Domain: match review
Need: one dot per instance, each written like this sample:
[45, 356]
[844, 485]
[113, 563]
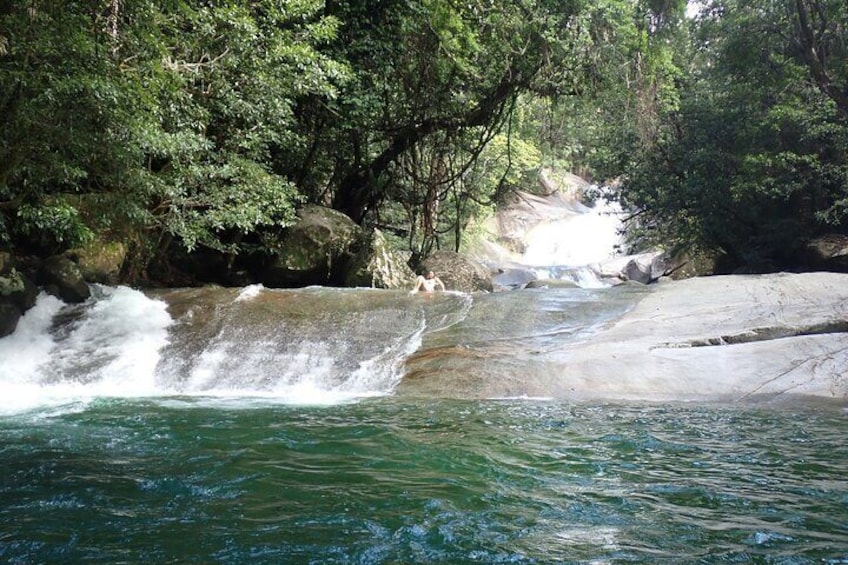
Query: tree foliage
[754, 161]
[206, 124]
[155, 119]
[425, 105]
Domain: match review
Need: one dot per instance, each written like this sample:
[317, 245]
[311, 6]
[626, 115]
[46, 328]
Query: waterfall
[311, 346]
[61, 354]
[588, 235]
[555, 238]
[315, 345]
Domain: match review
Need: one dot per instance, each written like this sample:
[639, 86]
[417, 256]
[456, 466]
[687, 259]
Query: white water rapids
[303, 346]
[61, 354]
[312, 346]
[554, 238]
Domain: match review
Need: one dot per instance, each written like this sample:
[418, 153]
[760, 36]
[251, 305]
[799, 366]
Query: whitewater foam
[250, 292]
[109, 346]
[314, 347]
[578, 240]
[28, 348]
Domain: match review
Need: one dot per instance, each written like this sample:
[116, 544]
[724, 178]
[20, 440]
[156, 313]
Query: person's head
[431, 275]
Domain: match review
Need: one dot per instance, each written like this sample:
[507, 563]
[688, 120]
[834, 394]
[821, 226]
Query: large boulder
[459, 272]
[17, 293]
[18, 289]
[377, 265]
[101, 261]
[649, 267]
[698, 264]
[313, 250]
[62, 278]
[645, 268]
[828, 253]
[511, 278]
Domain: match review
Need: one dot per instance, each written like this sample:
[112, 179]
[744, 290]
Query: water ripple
[388, 481]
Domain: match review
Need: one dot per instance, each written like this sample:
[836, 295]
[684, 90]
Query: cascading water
[314, 346]
[555, 238]
[311, 346]
[569, 246]
[60, 354]
[216, 425]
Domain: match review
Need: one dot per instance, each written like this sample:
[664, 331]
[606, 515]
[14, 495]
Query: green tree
[821, 36]
[754, 163]
[63, 109]
[225, 114]
[163, 120]
[442, 71]
[634, 55]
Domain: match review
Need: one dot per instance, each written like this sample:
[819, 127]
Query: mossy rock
[695, 264]
[16, 287]
[314, 250]
[377, 265]
[101, 261]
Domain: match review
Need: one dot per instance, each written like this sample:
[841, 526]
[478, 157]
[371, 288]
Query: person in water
[427, 283]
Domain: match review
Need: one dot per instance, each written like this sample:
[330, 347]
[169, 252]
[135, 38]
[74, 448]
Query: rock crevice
[768, 333]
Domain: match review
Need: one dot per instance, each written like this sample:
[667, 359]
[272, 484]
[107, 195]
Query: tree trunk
[815, 62]
[360, 190]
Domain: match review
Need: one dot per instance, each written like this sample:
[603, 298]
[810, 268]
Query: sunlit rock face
[728, 338]
[733, 337]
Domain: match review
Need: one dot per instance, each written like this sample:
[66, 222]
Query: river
[336, 426]
[394, 480]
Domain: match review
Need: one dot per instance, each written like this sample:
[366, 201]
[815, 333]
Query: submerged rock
[552, 283]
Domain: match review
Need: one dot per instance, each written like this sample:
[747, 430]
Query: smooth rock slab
[726, 337]
[722, 338]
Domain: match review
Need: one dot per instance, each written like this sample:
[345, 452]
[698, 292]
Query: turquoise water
[391, 480]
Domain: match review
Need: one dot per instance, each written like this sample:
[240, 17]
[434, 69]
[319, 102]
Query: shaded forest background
[181, 126]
